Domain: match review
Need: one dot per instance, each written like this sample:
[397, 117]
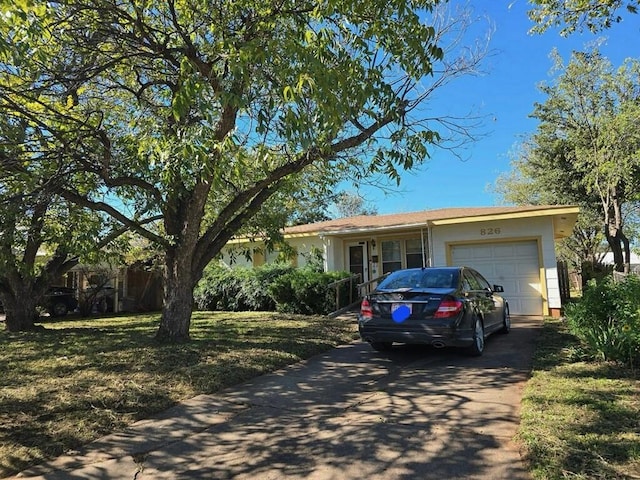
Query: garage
[515, 265]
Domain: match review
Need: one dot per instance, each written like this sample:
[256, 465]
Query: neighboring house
[511, 246]
[133, 288]
[634, 261]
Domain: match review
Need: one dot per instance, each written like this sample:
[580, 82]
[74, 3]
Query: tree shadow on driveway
[349, 413]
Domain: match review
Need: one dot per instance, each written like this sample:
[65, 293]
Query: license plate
[396, 306]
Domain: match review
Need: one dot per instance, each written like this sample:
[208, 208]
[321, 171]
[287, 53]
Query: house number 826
[490, 231]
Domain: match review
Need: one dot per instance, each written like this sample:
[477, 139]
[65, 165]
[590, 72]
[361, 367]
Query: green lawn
[580, 419]
[81, 379]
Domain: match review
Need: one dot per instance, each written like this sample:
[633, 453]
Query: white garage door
[514, 265]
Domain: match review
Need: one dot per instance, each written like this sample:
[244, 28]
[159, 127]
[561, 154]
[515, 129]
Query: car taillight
[448, 308]
[365, 309]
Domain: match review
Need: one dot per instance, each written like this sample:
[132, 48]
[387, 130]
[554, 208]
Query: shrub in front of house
[218, 289]
[237, 289]
[307, 291]
[255, 289]
[271, 287]
[607, 319]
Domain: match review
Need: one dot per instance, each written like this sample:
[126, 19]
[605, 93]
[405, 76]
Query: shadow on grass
[78, 379]
[554, 345]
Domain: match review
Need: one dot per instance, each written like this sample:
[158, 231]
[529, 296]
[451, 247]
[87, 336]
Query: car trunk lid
[407, 302]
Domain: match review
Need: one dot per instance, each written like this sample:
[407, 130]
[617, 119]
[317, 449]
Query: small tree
[586, 150]
[350, 204]
[92, 293]
[539, 181]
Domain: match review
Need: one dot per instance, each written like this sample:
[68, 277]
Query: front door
[358, 261]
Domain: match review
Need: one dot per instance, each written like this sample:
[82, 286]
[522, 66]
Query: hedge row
[278, 287]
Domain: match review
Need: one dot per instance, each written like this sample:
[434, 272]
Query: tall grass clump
[607, 319]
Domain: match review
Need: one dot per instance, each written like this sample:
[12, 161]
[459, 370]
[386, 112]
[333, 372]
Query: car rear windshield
[422, 278]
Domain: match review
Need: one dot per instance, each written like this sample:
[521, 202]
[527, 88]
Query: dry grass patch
[81, 379]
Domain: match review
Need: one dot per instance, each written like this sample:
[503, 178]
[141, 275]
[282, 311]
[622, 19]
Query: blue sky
[505, 95]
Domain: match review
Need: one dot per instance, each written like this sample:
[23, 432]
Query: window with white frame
[414, 253]
[397, 254]
[391, 256]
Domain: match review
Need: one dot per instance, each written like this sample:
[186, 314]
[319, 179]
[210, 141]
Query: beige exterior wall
[302, 245]
[333, 253]
[539, 228]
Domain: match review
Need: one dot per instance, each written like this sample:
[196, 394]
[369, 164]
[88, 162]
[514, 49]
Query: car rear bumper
[441, 335]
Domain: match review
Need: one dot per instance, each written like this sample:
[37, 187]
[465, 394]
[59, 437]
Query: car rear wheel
[477, 347]
[506, 321]
[59, 309]
[381, 346]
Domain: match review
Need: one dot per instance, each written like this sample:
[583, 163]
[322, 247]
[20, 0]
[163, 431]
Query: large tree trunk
[177, 298]
[627, 252]
[616, 248]
[183, 219]
[22, 294]
[21, 309]
[614, 233]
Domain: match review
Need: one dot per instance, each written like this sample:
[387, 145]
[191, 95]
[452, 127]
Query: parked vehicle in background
[439, 306]
[60, 300]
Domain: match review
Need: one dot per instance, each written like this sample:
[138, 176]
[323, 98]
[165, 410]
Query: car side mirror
[498, 288]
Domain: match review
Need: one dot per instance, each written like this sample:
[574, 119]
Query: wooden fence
[563, 282]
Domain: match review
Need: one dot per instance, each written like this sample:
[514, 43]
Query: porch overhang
[348, 232]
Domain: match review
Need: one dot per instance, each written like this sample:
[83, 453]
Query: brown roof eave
[386, 228]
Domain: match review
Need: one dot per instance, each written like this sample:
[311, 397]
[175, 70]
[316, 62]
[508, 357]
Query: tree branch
[133, 225]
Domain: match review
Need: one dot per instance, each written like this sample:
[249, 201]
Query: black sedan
[439, 306]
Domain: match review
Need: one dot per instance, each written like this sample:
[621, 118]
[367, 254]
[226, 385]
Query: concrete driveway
[415, 413]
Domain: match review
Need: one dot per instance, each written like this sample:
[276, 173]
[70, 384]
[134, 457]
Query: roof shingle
[364, 222]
